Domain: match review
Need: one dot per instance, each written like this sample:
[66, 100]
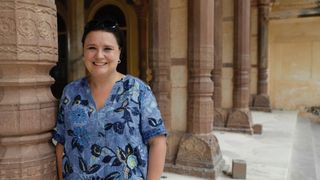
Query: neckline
[107, 101]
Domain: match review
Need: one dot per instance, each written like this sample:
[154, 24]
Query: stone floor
[288, 149]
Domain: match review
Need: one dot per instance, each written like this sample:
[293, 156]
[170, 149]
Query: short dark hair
[107, 26]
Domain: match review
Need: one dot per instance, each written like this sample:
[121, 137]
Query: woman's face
[101, 53]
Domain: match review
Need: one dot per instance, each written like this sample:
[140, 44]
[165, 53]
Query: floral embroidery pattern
[79, 138]
[67, 169]
[118, 127]
[130, 157]
[155, 122]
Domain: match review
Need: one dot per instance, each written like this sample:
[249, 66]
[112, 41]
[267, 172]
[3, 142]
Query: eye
[107, 49]
[91, 48]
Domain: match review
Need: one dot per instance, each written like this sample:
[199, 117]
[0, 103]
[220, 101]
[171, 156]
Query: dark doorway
[114, 13]
[59, 72]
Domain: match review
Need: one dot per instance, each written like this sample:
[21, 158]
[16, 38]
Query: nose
[99, 54]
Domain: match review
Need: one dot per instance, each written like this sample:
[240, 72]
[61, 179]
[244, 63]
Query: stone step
[305, 151]
[316, 145]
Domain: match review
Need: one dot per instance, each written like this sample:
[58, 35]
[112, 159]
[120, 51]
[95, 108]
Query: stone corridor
[287, 149]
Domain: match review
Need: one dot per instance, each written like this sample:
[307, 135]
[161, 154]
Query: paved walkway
[277, 153]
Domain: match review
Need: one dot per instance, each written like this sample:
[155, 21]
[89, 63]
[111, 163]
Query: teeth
[99, 63]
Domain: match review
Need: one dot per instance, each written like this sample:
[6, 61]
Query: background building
[209, 62]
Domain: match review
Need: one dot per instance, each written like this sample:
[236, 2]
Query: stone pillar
[240, 117]
[76, 68]
[28, 50]
[219, 114]
[199, 152]
[159, 54]
[261, 100]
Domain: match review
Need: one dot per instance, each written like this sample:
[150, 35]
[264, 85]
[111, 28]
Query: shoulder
[75, 85]
[138, 83]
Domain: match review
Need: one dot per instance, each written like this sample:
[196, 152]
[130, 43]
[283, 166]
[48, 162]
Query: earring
[119, 61]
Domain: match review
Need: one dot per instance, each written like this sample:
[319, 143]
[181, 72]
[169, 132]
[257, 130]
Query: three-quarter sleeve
[151, 121]
[59, 130]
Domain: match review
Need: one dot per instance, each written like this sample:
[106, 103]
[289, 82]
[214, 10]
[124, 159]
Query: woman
[109, 125]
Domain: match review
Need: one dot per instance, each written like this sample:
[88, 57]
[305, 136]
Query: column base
[261, 102]
[27, 158]
[173, 141]
[220, 118]
[198, 155]
[240, 121]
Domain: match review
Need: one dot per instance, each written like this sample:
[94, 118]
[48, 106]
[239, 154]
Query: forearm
[157, 155]
[59, 154]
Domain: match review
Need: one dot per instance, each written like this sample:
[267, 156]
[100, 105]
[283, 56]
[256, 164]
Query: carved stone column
[28, 50]
[159, 54]
[261, 100]
[199, 152]
[219, 114]
[76, 68]
[240, 118]
[159, 36]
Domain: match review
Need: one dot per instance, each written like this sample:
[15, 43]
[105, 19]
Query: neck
[100, 82]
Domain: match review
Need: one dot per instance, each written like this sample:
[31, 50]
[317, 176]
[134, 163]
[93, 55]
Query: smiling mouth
[100, 63]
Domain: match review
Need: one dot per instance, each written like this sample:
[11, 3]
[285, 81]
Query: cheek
[87, 56]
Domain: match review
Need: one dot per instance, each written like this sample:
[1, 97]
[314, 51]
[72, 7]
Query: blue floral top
[111, 143]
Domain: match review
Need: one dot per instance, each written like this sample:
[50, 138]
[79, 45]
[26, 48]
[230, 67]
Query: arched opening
[115, 13]
[59, 72]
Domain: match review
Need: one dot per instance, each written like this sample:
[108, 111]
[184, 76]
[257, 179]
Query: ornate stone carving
[27, 107]
[196, 151]
[7, 5]
[219, 118]
[173, 142]
[45, 30]
[7, 50]
[36, 162]
[54, 32]
[43, 10]
[27, 28]
[239, 120]
[7, 27]
[202, 153]
[27, 7]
